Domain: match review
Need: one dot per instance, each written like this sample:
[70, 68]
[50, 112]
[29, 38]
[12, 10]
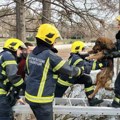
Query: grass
[65, 41]
[3, 39]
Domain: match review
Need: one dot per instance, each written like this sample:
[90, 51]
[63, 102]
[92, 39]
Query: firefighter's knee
[88, 81]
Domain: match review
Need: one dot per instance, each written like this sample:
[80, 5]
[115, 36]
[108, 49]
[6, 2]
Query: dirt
[64, 53]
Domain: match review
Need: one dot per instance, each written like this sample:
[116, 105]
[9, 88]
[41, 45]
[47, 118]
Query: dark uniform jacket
[116, 51]
[43, 67]
[76, 59]
[8, 72]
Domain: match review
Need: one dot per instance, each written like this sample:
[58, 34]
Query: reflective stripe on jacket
[42, 75]
[8, 72]
[76, 60]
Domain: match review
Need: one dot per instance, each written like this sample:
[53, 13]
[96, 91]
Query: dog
[104, 77]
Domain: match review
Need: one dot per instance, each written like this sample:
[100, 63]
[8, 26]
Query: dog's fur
[104, 77]
[102, 43]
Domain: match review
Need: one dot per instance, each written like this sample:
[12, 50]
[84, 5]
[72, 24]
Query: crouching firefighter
[43, 67]
[10, 82]
[77, 58]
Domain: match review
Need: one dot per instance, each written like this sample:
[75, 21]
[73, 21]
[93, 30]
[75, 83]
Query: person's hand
[107, 54]
[105, 63]
[21, 101]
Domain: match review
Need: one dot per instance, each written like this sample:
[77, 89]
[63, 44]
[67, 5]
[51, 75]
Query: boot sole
[97, 103]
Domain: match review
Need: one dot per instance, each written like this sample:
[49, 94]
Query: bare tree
[20, 20]
[85, 17]
[46, 12]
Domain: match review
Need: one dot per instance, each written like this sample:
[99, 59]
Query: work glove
[84, 55]
[87, 69]
[105, 63]
[12, 96]
[107, 54]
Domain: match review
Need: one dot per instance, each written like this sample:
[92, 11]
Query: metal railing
[74, 106]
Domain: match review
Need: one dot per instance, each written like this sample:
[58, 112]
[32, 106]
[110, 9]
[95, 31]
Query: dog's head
[103, 43]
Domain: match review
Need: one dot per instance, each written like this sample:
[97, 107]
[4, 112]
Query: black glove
[13, 96]
[105, 63]
[84, 55]
[87, 69]
[108, 54]
[118, 35]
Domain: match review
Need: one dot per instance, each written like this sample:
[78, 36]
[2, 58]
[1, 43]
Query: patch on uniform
[36, 61]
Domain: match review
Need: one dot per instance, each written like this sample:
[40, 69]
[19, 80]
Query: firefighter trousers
[117, 86]
[84, 79]
[43, 111]
[5, 109]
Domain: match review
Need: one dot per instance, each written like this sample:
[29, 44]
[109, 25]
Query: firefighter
[114, 54]
[43, 67]
[22, 59]
[9, 79]
[22, 63]
[77, 58]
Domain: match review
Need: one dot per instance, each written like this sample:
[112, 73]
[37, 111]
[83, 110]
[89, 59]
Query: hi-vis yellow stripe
[3, 72]
[58, 66]
[55, 76]
[27, 64]
[2, 91]
[94, 65]
[117, 100]
[38, 99]
[62, 82]
[5, 81]
[89, 89]
[100, 65]
[8, 63]
[70, 60]
[44, 78]
[77, 61]
[79, 71]
[18, 83]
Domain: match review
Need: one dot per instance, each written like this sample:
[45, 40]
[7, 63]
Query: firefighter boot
[94, 101]
[116, 102]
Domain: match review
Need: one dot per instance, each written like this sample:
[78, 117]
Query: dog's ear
[111, 46]
[109, 43]
[106, 43]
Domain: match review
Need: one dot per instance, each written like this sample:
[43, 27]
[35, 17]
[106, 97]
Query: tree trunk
[46, 12]
[20, 20]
